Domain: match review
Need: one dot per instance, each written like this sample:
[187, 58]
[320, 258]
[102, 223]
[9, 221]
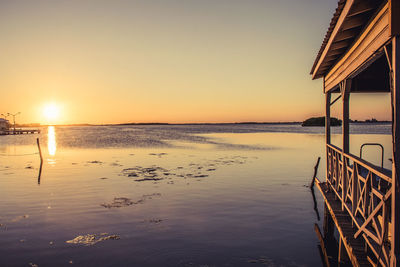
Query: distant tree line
[320, 121]
[372, 120]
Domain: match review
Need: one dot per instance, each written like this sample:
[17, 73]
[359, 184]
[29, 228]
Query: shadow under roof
[348, 22]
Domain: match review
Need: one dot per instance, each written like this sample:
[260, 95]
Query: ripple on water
[120, 202]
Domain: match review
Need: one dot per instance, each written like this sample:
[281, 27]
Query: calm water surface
[219, 195]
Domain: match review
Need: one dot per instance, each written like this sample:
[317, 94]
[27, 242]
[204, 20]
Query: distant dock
[20, 131]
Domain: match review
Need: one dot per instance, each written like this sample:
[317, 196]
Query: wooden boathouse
[361, 54]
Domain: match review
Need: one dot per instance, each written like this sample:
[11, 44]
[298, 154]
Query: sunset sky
[171, 61]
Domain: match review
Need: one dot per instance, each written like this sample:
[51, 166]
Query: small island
[320, 121]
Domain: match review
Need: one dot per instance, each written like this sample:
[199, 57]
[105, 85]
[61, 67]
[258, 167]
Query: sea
[168, 195]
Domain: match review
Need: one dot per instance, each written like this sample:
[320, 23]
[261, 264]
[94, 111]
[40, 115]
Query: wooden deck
[20, 131]
[355, 247]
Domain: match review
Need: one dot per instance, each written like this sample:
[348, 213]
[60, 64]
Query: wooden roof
[348, 22]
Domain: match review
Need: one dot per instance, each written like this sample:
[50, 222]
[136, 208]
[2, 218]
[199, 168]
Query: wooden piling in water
[40, 150]
[315, 173]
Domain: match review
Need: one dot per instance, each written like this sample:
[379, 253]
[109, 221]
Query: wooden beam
[373, 38]
[339, 45]
[330, 59]
[361, 7]
[335, 52]
[394, 17]
[353, 22]
[342, 254]
[328, 224]
[395, 221]
[336, 99]
[335, 31]
[388, 54]
[327, 62]
[346, 35]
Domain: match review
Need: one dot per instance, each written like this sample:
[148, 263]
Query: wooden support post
[345, 91]
[327, 130]
[345, 87]
[342, 254]
[395, 221]
[328, 117]
[328, 226]
[394, 20]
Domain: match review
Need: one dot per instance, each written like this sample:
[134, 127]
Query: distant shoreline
[205, 123]
[157, 123]
[183, 124]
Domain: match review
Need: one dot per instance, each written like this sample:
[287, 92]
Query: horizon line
[183, 123]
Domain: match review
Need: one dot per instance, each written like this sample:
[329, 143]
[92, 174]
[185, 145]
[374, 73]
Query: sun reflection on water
[51, 141]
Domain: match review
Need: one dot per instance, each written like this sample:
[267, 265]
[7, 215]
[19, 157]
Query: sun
[51, 112]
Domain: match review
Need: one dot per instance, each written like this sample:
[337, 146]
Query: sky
[175, 61]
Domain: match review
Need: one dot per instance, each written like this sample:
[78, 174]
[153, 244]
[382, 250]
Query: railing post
[345, 91]
[395, 220]
[354, 189]
[328, 132]
[337, 173]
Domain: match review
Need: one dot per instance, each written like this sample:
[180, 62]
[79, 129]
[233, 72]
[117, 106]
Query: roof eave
[335, 25]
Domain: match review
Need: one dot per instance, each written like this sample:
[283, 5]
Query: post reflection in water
[51, 141]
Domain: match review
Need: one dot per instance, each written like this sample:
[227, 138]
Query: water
[188, 195]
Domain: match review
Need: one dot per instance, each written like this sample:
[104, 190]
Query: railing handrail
[369, 166]
[334, 148]
[373, 144]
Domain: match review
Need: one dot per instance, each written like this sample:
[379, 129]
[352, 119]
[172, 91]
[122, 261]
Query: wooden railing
[365, 193]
